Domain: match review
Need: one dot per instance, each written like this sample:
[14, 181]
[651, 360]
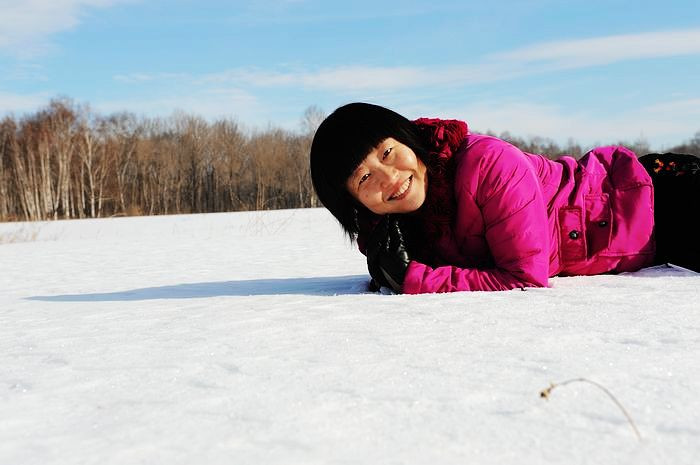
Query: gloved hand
[387, 256]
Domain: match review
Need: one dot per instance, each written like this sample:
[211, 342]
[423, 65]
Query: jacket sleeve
[500, 184]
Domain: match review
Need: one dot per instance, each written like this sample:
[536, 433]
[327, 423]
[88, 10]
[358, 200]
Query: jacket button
[602, 224]
[574, 234]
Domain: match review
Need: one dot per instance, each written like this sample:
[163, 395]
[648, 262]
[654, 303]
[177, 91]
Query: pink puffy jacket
[530, 218]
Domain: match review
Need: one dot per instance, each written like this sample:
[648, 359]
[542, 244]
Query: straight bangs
[351, 149]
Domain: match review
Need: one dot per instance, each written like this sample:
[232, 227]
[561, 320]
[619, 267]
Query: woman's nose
[387, 176]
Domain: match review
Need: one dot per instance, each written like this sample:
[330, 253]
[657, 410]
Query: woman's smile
[403, 189]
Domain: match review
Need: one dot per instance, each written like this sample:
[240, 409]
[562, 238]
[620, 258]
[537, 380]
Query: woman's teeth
[402, 189]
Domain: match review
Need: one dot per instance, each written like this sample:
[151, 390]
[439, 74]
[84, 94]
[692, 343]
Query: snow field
[250, 338]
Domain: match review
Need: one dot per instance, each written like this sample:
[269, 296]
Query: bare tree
[8, 207]
[312, 118]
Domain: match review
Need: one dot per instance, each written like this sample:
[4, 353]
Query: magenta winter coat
[530, 218]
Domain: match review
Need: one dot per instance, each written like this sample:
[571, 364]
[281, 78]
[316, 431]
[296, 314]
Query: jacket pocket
[598, 223]
[633, 211]
[572, 234]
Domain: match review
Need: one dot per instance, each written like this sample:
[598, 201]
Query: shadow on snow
[338, 285]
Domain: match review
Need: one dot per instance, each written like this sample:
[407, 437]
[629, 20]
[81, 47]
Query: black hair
[342, 141]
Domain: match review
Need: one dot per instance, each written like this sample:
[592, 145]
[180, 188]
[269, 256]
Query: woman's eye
[364, 178]
[387, 152]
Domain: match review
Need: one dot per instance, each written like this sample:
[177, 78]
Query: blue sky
[595, 71]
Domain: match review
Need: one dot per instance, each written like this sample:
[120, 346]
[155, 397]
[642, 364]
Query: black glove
[387, 257]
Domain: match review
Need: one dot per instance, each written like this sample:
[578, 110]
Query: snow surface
[250, 338]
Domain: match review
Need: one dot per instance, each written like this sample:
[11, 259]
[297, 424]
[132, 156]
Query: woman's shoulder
[485, 163]
[482, 151]
[476, 138]
[477, 146]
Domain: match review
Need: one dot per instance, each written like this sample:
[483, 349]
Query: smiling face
[391, 179]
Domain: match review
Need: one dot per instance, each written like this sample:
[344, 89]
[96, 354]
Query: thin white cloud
[531, 60]
[341, 78]
[211, 103]
[25, 26]
[604, 50]
[286, 12]
[349, 78]
[689, 107]
[136, 78]
[22, 103]
[24, 71]
[662, 125]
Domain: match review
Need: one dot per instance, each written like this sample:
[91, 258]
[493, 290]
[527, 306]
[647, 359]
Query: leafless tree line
[65, 161]
[550, 148]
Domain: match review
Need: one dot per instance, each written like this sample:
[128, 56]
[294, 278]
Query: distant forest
[66, 161]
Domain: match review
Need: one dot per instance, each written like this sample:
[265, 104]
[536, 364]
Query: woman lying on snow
[437, 209]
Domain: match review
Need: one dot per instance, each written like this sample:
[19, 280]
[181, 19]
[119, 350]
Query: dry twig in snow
[545, 393]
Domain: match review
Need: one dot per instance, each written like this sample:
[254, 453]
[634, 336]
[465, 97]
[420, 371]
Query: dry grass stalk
[545, 393]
